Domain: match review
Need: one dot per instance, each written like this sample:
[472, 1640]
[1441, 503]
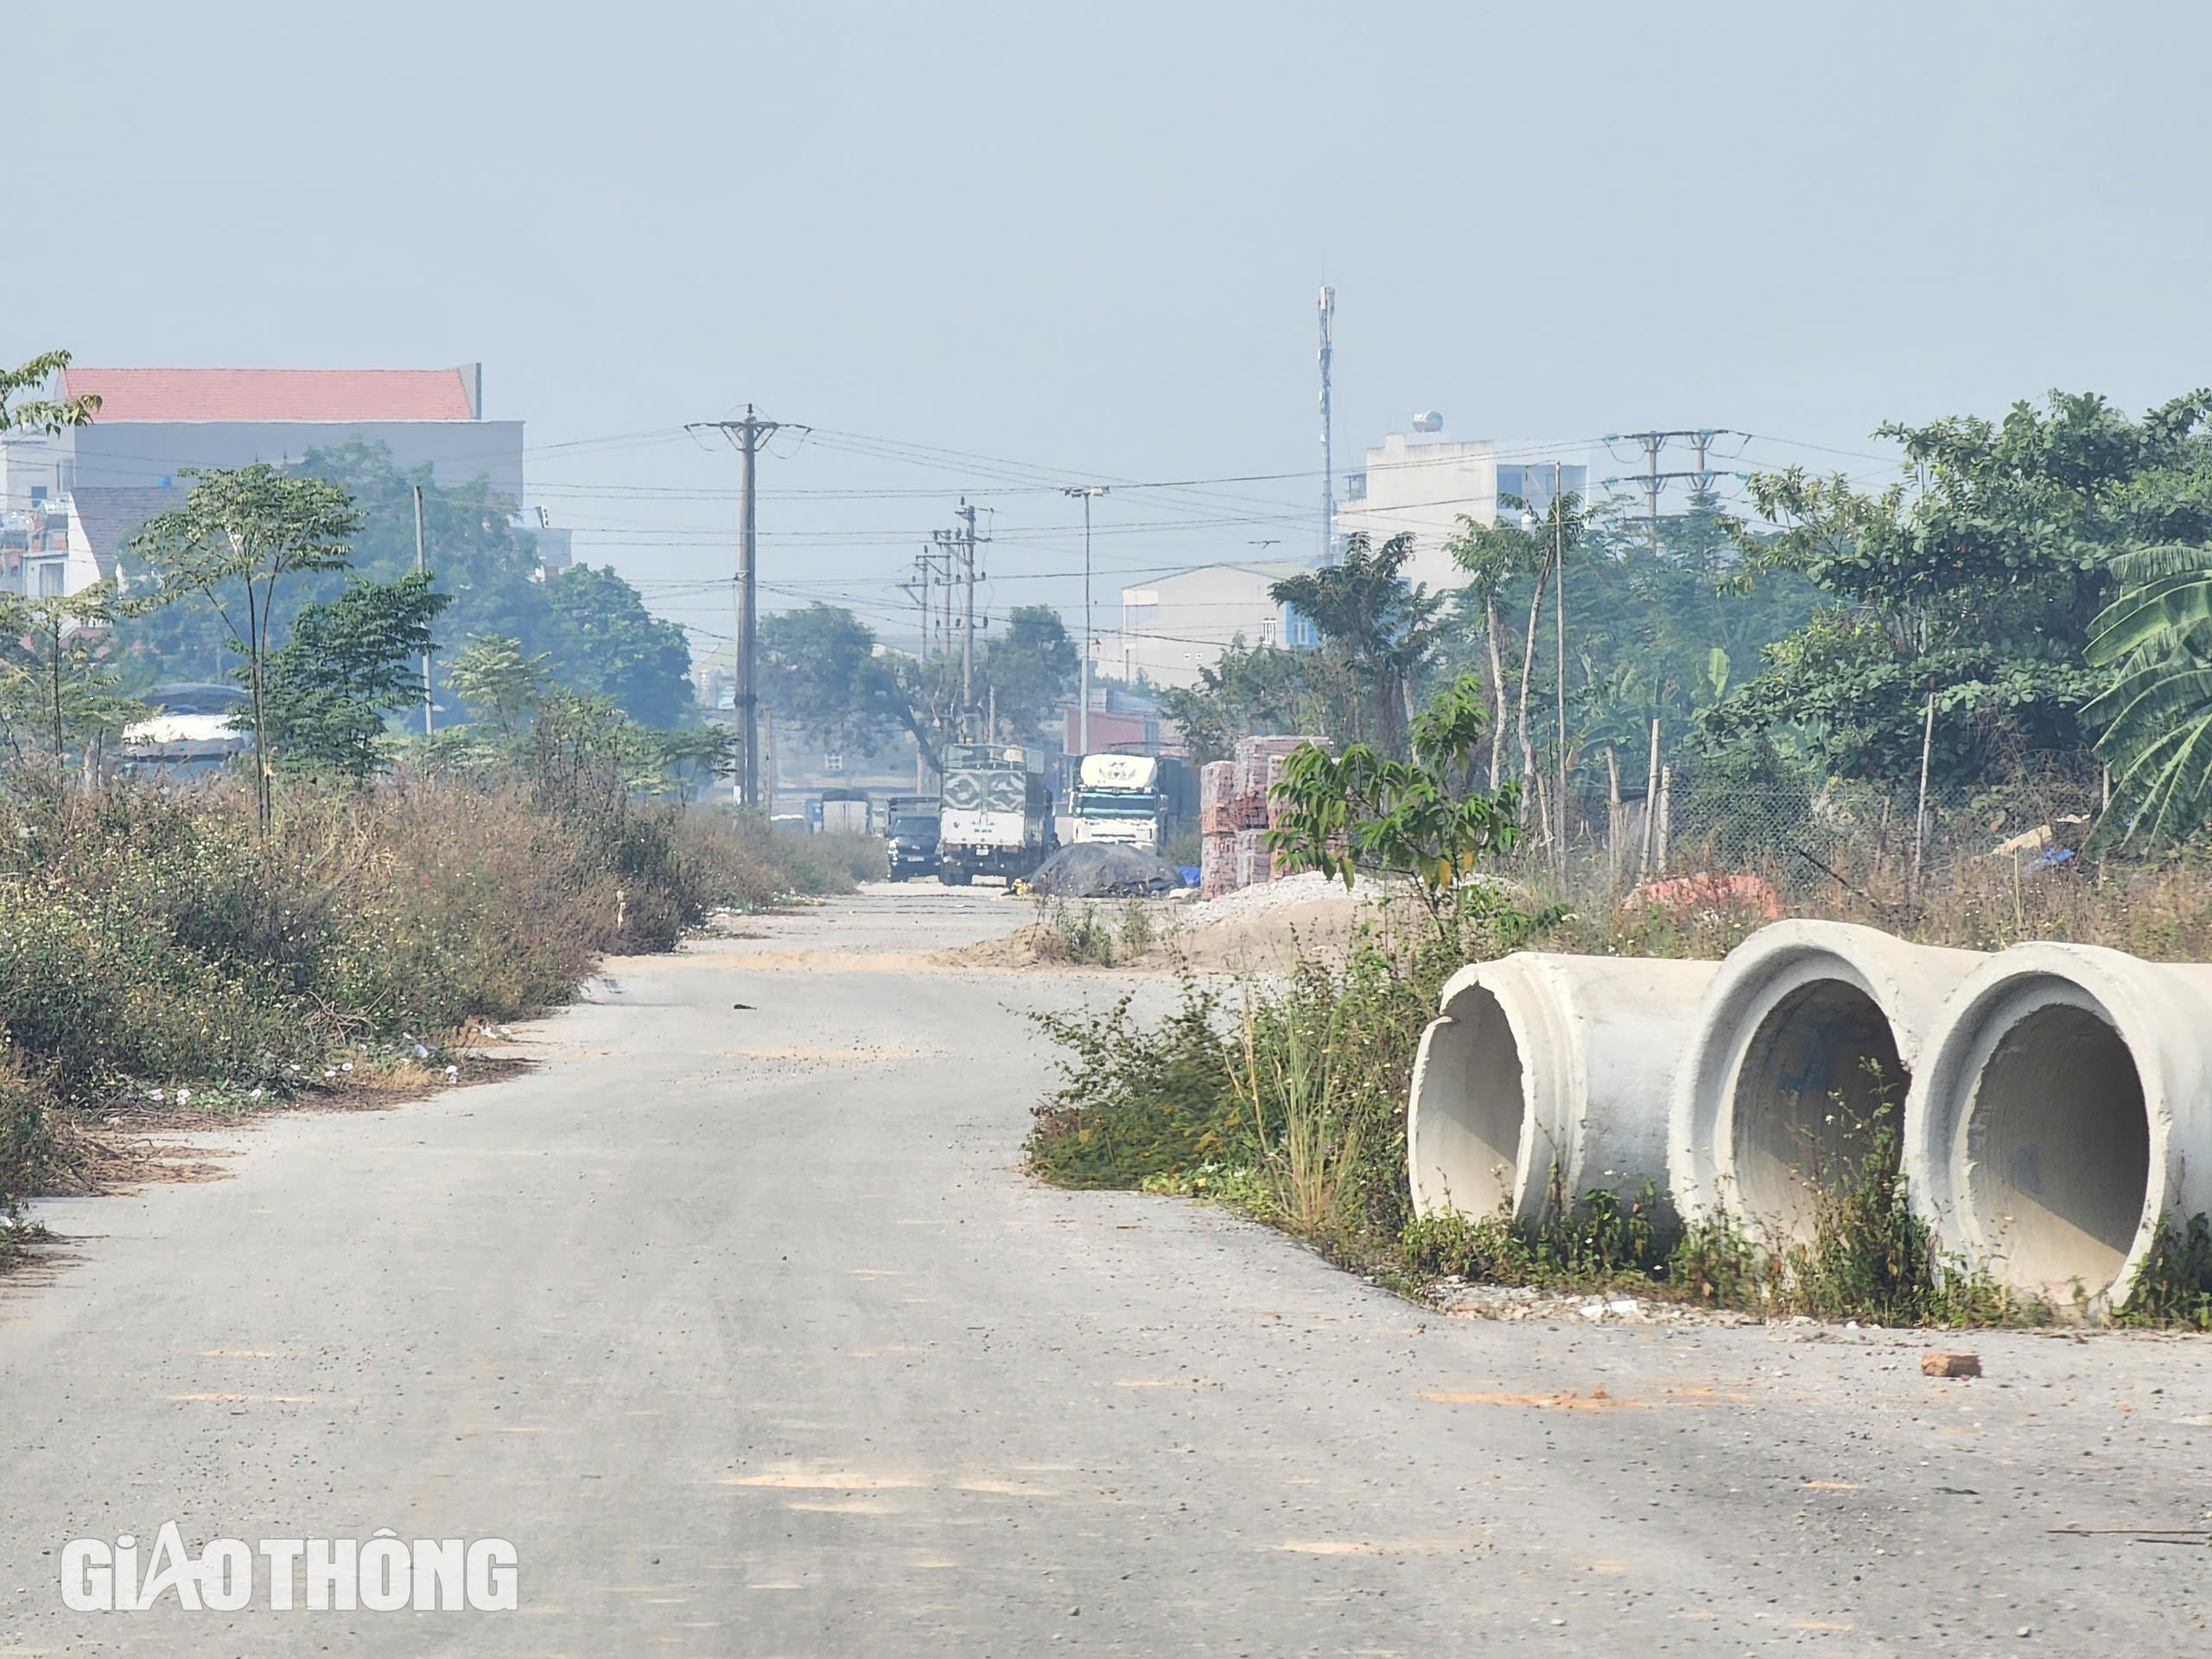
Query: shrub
[151, 936]
[2172, 1284]
[1136, 1101]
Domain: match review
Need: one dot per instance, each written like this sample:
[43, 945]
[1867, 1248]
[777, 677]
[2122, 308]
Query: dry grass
[151, 942]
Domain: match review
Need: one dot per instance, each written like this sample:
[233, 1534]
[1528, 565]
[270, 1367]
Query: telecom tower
[1327, 309]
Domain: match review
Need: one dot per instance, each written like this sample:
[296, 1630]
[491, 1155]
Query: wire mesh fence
[1807, 847]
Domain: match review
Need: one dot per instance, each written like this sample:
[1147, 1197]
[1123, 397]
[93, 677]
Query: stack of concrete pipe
[2056, 1098]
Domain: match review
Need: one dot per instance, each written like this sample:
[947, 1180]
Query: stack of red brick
[1235, 812]
[1218, 855]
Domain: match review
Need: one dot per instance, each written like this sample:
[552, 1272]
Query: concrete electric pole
[1653, 480]
[1088, 492]
[963, 542]
[748, 434]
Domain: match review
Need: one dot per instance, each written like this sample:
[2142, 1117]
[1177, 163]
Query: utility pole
[1327, 309]
[748, 435]
[964, 541]
[919, 588]
[1088, 492]
[419, 567]
[1653, 480]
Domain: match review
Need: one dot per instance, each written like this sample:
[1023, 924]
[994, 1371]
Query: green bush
[2172, 1284]
[1134, 1100]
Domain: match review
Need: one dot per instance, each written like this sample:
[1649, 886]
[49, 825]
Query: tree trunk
[1496, 686]
[1528, 663]
[54, 657]
[261, 804]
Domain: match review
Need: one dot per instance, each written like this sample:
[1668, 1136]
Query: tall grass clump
[1300, 1079]
[154, 938]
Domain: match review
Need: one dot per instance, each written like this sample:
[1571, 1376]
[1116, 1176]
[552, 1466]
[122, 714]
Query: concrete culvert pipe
[1547, 1074]
[2061, 1110]
[1800, 1058]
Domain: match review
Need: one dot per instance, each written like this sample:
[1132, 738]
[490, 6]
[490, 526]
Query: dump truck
[997, 813]
[1136, 800]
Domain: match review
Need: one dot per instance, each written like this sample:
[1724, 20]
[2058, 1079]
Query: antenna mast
[1327, 309]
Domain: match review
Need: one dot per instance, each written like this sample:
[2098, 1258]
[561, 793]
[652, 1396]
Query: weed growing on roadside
[2172, 1284]
[1136, 1100]
[1235, 1186]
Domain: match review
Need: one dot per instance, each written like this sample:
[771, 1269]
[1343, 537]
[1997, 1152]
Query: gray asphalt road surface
[745, 1327]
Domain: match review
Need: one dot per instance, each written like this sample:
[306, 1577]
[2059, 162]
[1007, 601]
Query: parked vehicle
[997, 815]
[839, 812]
[1134, 800]
[186, 732]
[911, 838]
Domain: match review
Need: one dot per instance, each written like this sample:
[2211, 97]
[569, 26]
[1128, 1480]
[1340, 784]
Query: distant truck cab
[912, 836]
[997, 815]
[1132, 800]
[186, 732]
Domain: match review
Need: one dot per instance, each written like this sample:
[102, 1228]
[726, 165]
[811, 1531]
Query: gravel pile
[1246, 903]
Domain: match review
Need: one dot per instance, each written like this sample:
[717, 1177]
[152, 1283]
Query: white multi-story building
[1173, 627]
[1422, 482]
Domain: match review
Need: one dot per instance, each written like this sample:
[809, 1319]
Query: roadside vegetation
[156, 948]
[341, 901]
[1284, 1095]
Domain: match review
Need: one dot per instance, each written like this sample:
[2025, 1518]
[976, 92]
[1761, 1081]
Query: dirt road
[744, 1327]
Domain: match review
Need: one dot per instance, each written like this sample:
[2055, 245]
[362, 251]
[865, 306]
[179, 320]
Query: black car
[913, 842]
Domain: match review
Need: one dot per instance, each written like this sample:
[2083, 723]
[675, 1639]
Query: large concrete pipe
[1547, 1075]
[1807, 1031]
[2061, 1109]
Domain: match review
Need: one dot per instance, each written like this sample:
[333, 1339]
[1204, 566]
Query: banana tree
[2157, 715]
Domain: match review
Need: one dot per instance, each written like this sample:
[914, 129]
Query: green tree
[1492, 556]
[1976, 579]
[1250, 688]
[600, 641]
[1421, 818]
[1028, 670]
[820, 668]
[496, 677]
[1377, 628]
[55, 674]
[350, 662]
[592, 628]
[18, 413]
[240, 537]
[2157, 714]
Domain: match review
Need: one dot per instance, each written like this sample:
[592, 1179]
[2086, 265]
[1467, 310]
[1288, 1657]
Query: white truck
[997, 813]
[1136, 800]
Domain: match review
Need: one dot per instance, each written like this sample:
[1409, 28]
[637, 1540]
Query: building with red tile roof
[344, 397]
[154, 422]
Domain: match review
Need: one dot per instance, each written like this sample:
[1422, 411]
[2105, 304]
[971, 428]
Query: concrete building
[103, 480]
[1422, 482]
[152, 423]
[1173, 627]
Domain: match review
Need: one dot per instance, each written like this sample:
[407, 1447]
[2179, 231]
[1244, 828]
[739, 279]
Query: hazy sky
[1088, 240]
